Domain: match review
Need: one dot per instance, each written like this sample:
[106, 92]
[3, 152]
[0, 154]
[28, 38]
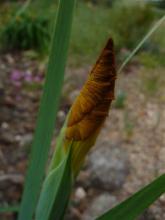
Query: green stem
[153, 29]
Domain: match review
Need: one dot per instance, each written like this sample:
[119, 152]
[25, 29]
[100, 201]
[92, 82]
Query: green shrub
[25, 31]
[91, 27]
[151, 60]
[159, 3]
[126, 23]
[131, 22]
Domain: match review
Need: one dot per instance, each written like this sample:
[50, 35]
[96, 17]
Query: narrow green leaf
[153, 29]
[48, 109]
[23, 8]
[9, 209]
[131, 208]
[55, 192]
[59, 151]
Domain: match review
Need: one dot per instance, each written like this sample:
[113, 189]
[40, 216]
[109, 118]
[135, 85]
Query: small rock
[15, 178]
[26, 139]
[9, 102]
[4, 125]
[108, 166]
[162, 198]
[100, 204]
[10, 59]
[73, 95]
[18, 138]
[80, 193]
[6, 138]
[61, 116]
[152, 116]
[147, 215]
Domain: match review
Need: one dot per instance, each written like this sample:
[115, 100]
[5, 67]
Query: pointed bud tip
[110, 43]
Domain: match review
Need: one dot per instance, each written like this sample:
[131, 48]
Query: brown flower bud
[91, 107]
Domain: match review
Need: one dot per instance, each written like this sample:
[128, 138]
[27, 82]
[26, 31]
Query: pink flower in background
[18, 78]
[16, 75]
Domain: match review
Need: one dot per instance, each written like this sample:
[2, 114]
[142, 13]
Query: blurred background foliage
[126, 21]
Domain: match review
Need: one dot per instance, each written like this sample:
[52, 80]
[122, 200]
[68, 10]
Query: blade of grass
[131, 208]
[153, 29]
[48, 109]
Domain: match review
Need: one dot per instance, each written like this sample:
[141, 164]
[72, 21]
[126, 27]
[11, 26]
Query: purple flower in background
[16, 75]
[19, 78]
